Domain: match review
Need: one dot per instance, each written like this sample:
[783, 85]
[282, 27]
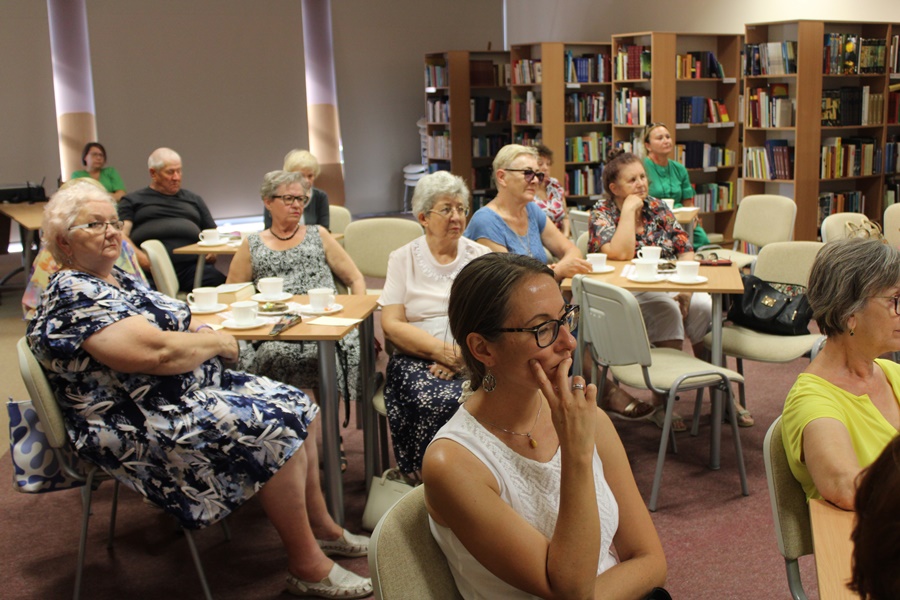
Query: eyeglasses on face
[529, 174]
[289, 200]
[896, 300]
[547, 332]
[99, 226]
[447, 211]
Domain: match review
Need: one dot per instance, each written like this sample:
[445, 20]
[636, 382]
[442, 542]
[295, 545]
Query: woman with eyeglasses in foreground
[423, 383]
[845, 407]
[528, 486]
[146, 396]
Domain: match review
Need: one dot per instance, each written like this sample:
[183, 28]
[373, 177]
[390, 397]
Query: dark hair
[544, 151]
[480, 298]
[616, 160]
[876, 537]
[87, 148]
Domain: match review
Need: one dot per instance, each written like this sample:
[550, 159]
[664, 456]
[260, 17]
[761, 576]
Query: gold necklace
[531, 440]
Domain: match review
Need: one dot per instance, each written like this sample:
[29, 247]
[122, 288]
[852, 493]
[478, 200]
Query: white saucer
[661, 261]
[700, 279]
[207, 311]
[231, 324]
[306, 308]
[276, 298]
[656, 279]
[219, 242]
[604, 269]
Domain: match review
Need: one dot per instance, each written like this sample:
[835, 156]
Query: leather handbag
[35, 468]
[776, 308]
[384, 492]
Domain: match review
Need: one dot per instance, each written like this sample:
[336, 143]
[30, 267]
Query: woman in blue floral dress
[146, 396]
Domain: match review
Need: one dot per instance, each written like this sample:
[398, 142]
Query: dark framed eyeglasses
[445, 212]
[99, 226]
[547, 332]
[896, 300]
[289, 200]
[529, 174]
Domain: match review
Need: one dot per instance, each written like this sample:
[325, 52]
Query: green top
[109, 177]
[673, 181]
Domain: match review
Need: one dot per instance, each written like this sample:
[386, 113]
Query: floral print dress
[197, 444]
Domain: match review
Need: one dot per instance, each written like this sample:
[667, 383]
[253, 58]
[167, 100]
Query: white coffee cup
[270, 287]
[687, 270]
[650, 252]
[209, 236]
[321, 298]
[204, 298]
[244, 312]
[670, 202]
[597, 260]
[645, 269]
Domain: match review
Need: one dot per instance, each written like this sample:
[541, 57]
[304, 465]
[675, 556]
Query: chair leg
[735, 429]
[87, 492]
[199, 566]
[698, 404]
[112, 514]
[383, 442]
[793, 575]
[742, 396]
[661, 456]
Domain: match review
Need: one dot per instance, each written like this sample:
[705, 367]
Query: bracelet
[203, 326]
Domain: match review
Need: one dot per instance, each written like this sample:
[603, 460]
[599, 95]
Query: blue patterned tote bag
[35, 468]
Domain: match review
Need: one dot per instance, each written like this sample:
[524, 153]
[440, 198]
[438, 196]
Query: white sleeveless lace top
[532, 489]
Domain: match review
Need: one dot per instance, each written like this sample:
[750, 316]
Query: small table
[29, 218]
[355, 307]
[831, 529]
[685, 217]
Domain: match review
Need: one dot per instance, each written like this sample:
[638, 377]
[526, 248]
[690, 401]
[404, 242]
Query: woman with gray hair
[423, 384]
[316, 211]
[845, 407]
[306, 257]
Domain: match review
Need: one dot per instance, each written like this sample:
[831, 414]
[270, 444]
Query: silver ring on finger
[578, 386]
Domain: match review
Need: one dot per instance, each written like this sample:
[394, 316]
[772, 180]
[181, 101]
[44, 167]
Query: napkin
[334, 321]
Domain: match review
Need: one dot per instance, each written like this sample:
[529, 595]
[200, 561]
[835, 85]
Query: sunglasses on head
[529, 174]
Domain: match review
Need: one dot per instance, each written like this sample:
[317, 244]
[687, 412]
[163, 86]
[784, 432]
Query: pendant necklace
[284, 239]
[531, 440]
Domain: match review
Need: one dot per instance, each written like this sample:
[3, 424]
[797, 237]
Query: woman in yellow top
[845, 407]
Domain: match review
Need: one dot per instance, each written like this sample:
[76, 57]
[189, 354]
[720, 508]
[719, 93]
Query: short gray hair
[62, 210]
[275, 179]
[845, 274]
[434, 186]
[161, 157]
[509, 153]
[297, 160]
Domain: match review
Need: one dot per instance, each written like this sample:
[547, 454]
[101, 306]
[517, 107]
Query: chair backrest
[579, 219]
[789, 508]
[369, 242]
[787, 262]
[892, 225]
[339, 217]
[765, 218]
[581, 242]
[404, 559]
[42, 396]
[834, 227]
[161, 268]
[612, 323]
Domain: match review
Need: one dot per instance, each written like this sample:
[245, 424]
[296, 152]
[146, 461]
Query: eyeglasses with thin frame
[289, 199]
[445, 212]
[547, 332]
[529, 174]
[896, 300]
[99, 226]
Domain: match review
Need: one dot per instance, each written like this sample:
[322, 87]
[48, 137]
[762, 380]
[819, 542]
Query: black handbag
[776, 308]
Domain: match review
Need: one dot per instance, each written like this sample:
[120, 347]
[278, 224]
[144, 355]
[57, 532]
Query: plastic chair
[834, 227]
[579, 221]
[761, 220]
[404, 560]
[369, 242]
[614, 326]
[781, 262]
[892, 225]
[582, 243]
[411, 175]
[789, 509]
[51, 418]
[339, 217]
[162, 270]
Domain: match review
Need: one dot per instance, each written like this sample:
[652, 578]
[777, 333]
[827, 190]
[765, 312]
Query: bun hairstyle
[616, 160]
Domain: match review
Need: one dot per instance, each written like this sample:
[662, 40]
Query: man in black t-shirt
[174, 216]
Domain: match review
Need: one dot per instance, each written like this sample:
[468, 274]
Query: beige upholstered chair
[614, 326]
[789, 509]
[582, 243]
[162, 270]
[579, 221]
[369, 242]
[339, 217]
[761, 219]
[892, 225]
[404, 560]
[834, 227]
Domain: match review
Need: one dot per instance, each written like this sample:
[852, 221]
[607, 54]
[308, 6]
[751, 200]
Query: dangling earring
[489, 382]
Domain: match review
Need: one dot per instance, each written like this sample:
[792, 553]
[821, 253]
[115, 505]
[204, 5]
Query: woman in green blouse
[93, 157]
[668, 178]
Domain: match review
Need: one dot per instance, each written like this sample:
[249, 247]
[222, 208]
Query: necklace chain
[284, 239]
[531, 440]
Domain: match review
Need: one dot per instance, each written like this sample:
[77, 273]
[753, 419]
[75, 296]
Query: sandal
[339, 583]
[659, 417]
[637, 410]
[349, 544]
[744, 418]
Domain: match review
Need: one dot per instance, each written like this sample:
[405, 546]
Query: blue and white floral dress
[197, 444]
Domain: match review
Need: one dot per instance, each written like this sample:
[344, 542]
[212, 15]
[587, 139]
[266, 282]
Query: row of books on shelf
[838, 202]
[485, 146]
[591, 147]
[587, 68]
[770, 106]
[893, 112]
[584, 181]
[698, 65]
[438, 146]
[770, 58]
[632, 61]
[703, 155]
[773, 160]
[635, 144]
[438, 109]
[526, 72]
[631, 106]
[850, 157]
[527, 110]
[587, 108]
[894, 61]
[487, 73]
[528, 138]
[891, 192]
[852, 54]
[484, 109]
[892, 156]
[436, 75]
[482, 177]
[712, 197]
[851, 105]
[700, 109]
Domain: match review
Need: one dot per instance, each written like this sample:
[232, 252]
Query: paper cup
[645, 269]
[687, 270]
[209, 236]
[244, 312]
[670, 203]
[204, 298]
[321, 298]
[597, 260]
[650, 252]
[270, 287]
